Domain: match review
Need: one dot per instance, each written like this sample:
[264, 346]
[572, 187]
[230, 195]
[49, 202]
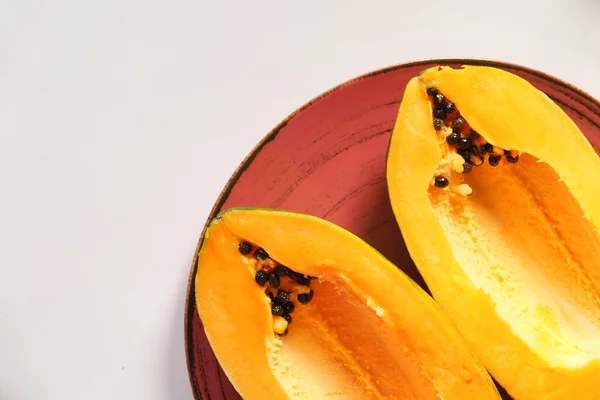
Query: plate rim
[190, 303]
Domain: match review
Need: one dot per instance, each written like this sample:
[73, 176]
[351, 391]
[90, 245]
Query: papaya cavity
[510, 247]
[464, 148]
[285, 288]
[296, 307]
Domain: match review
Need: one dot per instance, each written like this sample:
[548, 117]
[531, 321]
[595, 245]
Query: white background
[121, 120]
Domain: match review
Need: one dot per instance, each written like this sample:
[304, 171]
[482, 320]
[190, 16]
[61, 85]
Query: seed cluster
[461, 138]
[282, 305]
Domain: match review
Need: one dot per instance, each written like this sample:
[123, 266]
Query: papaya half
[497, 194]
[296, 307]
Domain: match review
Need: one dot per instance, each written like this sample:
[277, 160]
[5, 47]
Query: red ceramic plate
[328, 159]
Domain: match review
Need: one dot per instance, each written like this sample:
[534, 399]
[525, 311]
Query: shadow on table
[177, 384]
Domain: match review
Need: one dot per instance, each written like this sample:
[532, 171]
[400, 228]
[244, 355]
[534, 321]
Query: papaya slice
[497, 194]
[297, 307]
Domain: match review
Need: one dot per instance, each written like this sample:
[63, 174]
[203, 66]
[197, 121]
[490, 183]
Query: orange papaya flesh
[498, 201]
[362, 330]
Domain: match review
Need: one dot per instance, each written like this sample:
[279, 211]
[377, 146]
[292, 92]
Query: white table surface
[121, 120]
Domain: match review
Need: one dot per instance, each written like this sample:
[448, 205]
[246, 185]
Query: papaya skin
[389, 339]
[514, 265]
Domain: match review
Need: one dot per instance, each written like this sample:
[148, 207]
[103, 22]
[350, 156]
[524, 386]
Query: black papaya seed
[467, 167]
[288, 307]
[494, 159]
[441, 181]
[281, 270]
[293, 275]
[464, 153]
[302, 280]
[475, 150]
[283, 296]
[458, 124]
[245, 248]
[305, 297]
[261, 254]
[274, 281]
[453, 138]
[261, 277]
[510, 158]
[276, 309]
[464, 142]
